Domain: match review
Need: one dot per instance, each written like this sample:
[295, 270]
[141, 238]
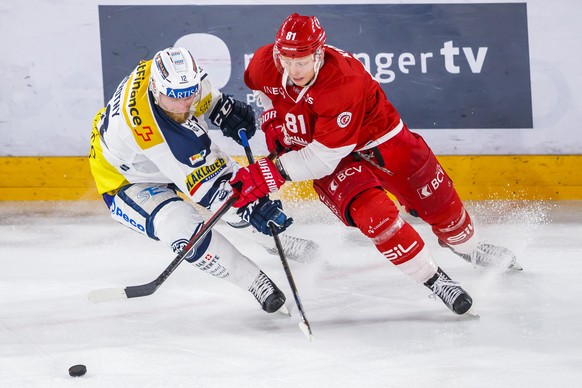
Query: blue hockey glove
[263, 212]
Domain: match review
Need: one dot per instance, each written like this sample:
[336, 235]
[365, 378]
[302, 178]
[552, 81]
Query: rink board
[483, 177]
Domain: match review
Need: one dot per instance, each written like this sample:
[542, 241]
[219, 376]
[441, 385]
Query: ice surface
[372, 326]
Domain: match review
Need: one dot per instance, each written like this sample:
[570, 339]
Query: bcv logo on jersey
[353, 170]
[429, 188]
[342, 176]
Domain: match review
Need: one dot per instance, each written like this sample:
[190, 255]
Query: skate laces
[296, 248]
[293, 245]
[489, 254]
[262, 287]
[446, 289]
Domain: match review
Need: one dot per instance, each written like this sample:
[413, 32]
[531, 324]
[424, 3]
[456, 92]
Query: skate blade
[471, 313]
[505, 266]
[283, 310]
[516, 267]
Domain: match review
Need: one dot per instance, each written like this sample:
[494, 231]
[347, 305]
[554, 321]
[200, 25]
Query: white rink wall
[52, 80]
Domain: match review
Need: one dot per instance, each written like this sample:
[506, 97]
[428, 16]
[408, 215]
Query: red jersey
[343, 111]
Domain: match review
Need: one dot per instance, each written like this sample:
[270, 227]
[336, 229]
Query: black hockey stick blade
[242, 224]
[109, 294]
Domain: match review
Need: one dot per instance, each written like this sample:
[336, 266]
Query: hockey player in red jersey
[329, 121]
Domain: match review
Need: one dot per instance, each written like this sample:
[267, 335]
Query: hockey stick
[108, 294]
[242, 133]
[285, 239]
[304, 325]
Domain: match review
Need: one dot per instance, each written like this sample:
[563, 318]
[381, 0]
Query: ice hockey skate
[450, 292]
[296, 248]
[269, 296]
[488, 255]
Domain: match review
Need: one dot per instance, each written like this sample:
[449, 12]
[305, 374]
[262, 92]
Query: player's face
[176, 105]
[178, 109]
[300, 70]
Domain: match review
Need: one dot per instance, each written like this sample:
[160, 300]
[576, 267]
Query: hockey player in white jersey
[150, 143]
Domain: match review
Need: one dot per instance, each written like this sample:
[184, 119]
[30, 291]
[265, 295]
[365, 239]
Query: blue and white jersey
[134, 141]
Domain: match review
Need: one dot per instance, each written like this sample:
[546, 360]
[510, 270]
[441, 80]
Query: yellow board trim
[483, 177]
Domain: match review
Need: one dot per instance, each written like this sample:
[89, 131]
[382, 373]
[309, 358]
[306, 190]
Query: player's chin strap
[304, 324]
[303, 89]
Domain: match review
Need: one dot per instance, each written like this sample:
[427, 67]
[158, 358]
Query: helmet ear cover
[174, 73]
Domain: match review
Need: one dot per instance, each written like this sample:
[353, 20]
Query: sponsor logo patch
[428, 189]
[203, 174]
[120, 215]
[399, 251]
[195, 159]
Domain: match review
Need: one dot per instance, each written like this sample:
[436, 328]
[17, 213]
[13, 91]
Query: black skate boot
[488, 255]
[267, 293]
[451, 293]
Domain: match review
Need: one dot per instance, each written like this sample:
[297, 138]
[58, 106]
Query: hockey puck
[77, 370]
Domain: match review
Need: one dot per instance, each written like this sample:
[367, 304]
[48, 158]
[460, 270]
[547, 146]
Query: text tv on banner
[441, 65]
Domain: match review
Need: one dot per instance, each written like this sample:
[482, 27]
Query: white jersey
[133, 141]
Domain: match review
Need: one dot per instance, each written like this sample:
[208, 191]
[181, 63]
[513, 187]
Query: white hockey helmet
[174, 73]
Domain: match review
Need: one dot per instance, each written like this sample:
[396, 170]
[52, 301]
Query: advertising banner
[444, 66]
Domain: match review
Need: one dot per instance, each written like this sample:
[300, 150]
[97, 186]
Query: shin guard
[377, 217]
[455, 228]
[176, 222]
[222, 260]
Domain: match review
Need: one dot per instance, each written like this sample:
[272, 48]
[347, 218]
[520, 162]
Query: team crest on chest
[343, 119]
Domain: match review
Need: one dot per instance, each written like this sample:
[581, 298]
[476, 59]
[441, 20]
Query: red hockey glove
[256, 181]
[275, 135]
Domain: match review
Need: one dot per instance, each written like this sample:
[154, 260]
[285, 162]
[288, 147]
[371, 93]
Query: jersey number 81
[295, 124]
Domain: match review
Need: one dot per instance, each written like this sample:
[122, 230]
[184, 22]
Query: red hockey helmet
[299, 36]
